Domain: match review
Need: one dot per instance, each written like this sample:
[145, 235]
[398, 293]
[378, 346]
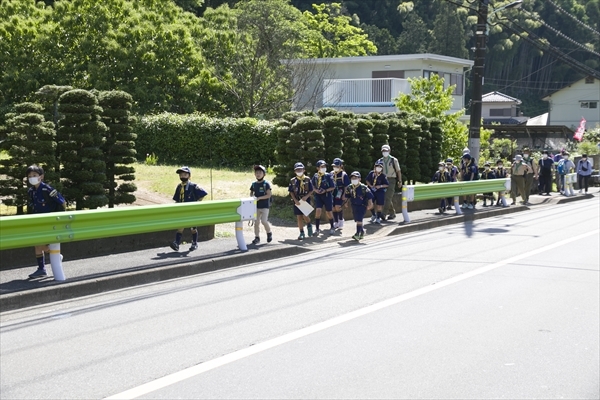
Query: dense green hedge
[196, 139]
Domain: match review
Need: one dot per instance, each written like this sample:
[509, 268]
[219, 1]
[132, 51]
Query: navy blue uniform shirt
[187, 192]
[441, 177]
[300, 187]
[377, 180]
[259, 189]
[40, 200]
[489, 174]
[322, 182]
[359, 195]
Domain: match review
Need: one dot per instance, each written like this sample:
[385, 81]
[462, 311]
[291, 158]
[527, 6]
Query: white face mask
[500, 166]
[545, 156]
[299, 174]
[525, 155]
[385, 153]
[441, 168]
[355, 182]
[323, 170]
[566, 157]
[336, 169]
[487, 168]
[378, 169]
[34, 180]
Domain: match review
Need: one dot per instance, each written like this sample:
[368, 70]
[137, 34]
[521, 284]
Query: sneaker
[174, 246]
[256, 240]
[38, 273]
[332, 231]
[310, 230]
[527, 203]
[340, 224]
[378, 221]
[391, 216]
[440, 210]
[513, 203]
[194, 246]
[301, 236]
[356, 236]
[373, 218]
[315, 234]
[269, 237]
[449, 208]
[361, 235]
[470, 206]
[335, 225]
[463, 205]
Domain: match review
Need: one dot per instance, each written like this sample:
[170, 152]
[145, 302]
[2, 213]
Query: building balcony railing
[376, 92]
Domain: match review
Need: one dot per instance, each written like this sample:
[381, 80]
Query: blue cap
[449, 160]
[320, 163]
[337, 162]
[260, 168]
[298, 165]
[379, 162]
[184, 169]
[355, 173]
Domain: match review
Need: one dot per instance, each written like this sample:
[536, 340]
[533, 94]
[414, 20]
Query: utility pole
[477, 78]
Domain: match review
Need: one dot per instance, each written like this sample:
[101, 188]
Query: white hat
[466, 151]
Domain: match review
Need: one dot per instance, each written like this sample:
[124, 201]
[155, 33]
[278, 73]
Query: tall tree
[448, 33]
[415, 37]
[334, 35]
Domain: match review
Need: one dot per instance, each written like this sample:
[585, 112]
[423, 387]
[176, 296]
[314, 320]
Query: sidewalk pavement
[100, 274]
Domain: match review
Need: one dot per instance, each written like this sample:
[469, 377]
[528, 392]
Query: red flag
[579, 132]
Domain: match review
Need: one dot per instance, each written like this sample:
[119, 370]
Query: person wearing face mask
[564, 167]
[453, 172]
[323, 186]
[361, 199]
[546, 165]
[391, 169]
[441, 176]
[518, 171]
[488, 173]
[261, 190]
[341, 181]
[532, 172]
[186, 192]
[500, 173]
[378, 183]
[584, 171]
[42, 198]
[300, 188]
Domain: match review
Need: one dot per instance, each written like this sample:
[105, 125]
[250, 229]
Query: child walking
[43, 198]
[341, 181]
[441, 176]
[261, 189]
[453, 172]
[378, 183]
[187, 191]
[500, 173]
[361, 199]
[301, 188]
[323, 192]
[488, 173]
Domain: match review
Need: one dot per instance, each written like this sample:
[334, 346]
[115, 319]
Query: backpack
[560, 168]
[263, 186]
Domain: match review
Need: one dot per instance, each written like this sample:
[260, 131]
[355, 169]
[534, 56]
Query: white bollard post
[457, 205]
[239, 235]
[405, 204]
[504, 192]
[56, 262]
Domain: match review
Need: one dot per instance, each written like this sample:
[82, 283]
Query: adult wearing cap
[186, 192]
[584, 171]
[361, 199]
[518, 171]
[323, 193]
[300, 188]
[341, 181]
[261, 190]
[378, 183]
[532, 173]
[391, 169]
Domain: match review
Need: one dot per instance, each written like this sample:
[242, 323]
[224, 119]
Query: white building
[371, 83]
[569, 104]
[500, 108]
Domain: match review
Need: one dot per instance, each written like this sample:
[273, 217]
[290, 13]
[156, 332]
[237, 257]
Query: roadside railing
[70, 226]
[454, 190]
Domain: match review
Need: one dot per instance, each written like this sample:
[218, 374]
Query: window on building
[588, 104]
[457, 79]
[500, 112]
[589, 79]
[428, 74]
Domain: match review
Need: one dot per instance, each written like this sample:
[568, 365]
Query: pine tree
[119, 147]
[80, 138]
[30, 140]
[415, 37]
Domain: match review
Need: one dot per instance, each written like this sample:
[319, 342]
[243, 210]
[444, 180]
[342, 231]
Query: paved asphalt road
[504, 307]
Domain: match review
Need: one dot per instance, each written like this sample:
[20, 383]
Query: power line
[573, 17]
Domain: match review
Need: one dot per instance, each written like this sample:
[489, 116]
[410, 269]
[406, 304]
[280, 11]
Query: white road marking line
[269, 344]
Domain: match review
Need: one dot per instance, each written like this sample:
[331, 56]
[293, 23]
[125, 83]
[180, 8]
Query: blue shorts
[358, 211]
[297, 210]
[379, 195]
[324, 200]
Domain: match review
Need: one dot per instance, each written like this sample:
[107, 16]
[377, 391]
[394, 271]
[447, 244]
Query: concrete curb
[69, 290]
[79, 288]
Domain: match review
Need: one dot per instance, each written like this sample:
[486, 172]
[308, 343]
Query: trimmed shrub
[365, 147]
[380, 135]
[413, 168]
[333, 131]
[350, 143]
[426, 164]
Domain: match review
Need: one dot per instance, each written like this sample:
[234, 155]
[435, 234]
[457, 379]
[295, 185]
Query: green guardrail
[38, 229]
[450, 189]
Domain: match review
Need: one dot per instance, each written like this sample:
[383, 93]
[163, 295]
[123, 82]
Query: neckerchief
[301, 183]
[320, 176]
[182, 193]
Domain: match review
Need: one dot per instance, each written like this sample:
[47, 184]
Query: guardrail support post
[239, 235]
[405, 204]
[457, 205]
[56, 262]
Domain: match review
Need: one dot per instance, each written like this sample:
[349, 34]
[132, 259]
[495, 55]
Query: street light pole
[477, 79]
